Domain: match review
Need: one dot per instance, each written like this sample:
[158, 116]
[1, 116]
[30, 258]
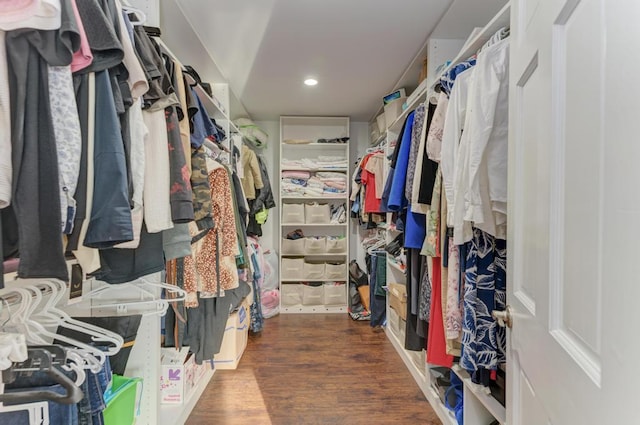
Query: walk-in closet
[290, 212]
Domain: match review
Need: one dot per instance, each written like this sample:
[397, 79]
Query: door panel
[528, 210]
[577, 173]
[574, 212]
[527, 408]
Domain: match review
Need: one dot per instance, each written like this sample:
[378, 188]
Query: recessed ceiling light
[311, 82]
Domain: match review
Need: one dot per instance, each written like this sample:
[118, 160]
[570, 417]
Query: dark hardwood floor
[315, 369]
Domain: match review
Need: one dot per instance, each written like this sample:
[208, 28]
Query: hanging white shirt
[489, 133]
[157, 179]
[137, 79]
[138, 133]
[454, 124]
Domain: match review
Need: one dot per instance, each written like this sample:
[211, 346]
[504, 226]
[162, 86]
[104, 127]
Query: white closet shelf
[213, 106]
[285, 197]
[396, 126]
[338, 170]
[339, 254]
[313, 224]
[312, 280]
[315, 145]
[489, 402]
[419, 376]
[311, 309]
[177, 414]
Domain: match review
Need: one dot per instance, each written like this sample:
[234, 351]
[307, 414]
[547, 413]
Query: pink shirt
[83, 57]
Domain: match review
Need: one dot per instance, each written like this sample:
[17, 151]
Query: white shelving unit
[314, 128]
[480, 408]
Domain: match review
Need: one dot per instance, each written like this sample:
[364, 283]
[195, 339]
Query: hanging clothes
[252, 180]
[34, 167]
[484, 342]
[209, 269]
[110, 221]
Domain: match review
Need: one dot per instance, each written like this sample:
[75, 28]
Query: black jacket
[265, 197]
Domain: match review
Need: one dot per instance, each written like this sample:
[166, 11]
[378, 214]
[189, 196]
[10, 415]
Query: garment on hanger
[436, 128]
[110, 175]
[6, 168]
[35, 170]
[452, 133]
[83, 57]
[210, 269]
[426, 169]
[252, 180]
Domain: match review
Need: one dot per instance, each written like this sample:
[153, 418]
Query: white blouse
[489, 133]
[451, 136]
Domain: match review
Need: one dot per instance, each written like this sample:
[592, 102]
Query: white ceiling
[357, 49]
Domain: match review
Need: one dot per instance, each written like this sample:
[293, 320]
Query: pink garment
[296, 174]
[335, 185]
[19, 7]
[83, 57]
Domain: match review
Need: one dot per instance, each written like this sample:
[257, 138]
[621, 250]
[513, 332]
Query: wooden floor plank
[315, 370]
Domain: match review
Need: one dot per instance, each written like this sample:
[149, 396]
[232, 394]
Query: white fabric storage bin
[317, 213]
[291, 294]
[393, 110]
[335, 271]
[293, 247]
[312, 295]
[335, 294]
[293, 213]
[314, 271]
[315, 245]
[292, 268]
[382, 123]
[336, 245]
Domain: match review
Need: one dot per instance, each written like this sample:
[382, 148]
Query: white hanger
[93, 357]
[376, 247]
[147, 297]
[51, 315]
[142, 17]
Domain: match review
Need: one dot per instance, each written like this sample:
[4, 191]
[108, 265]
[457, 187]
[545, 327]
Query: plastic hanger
[139, 14]
[41, 359]
[51, 315]
[38, 412]
[143, 289]
[94, 357]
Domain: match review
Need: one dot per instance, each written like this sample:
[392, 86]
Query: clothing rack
[475, 43]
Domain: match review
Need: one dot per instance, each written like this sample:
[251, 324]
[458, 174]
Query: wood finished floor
[315, 370]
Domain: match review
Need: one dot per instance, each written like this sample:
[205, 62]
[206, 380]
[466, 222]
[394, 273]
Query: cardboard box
[193, 373]
[236, 335]
[179, 375]
[398, 299]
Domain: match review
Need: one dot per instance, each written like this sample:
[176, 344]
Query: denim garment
[59, 414]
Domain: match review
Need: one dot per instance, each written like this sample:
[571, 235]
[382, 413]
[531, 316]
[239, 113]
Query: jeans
[59, 414]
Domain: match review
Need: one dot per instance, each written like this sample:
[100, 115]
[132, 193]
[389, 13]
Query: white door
[574, 213]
